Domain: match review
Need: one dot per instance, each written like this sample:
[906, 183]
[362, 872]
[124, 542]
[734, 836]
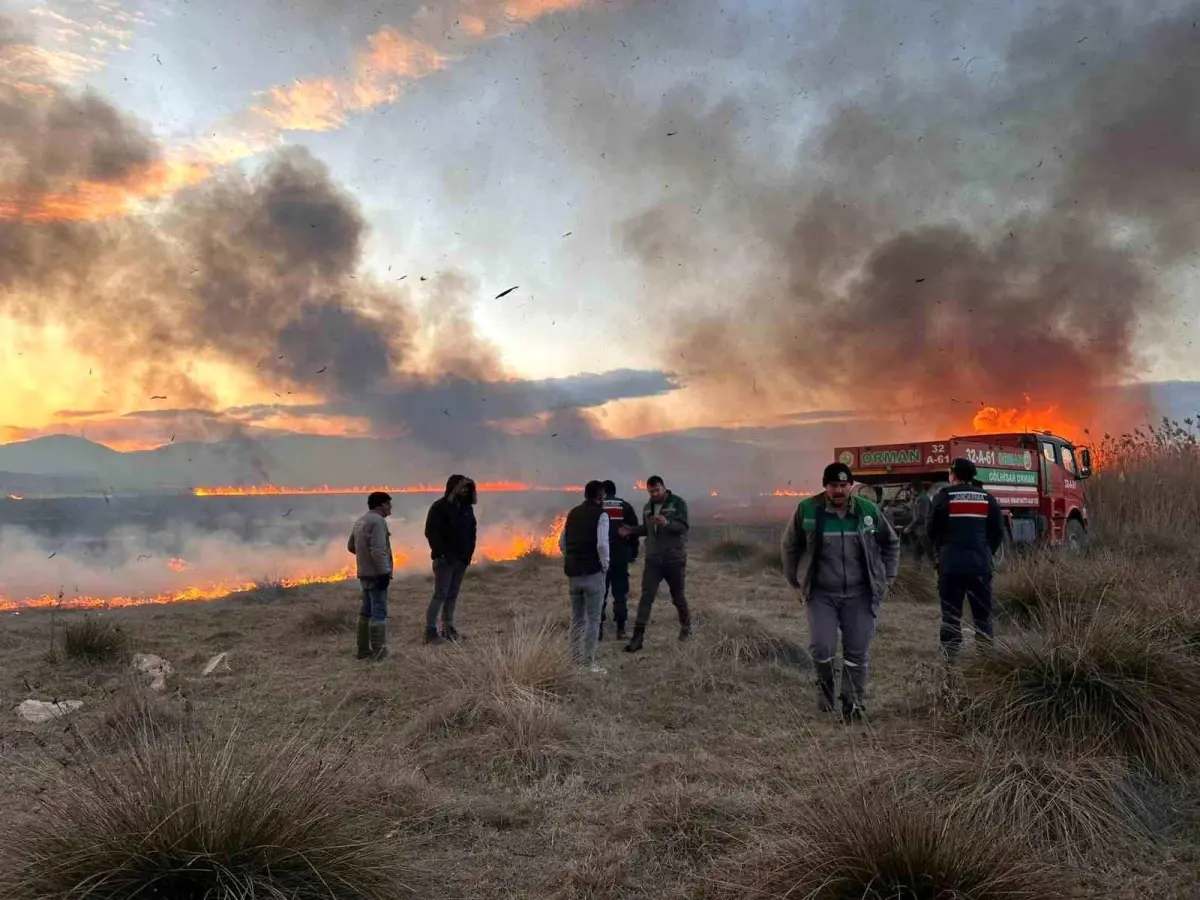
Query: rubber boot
[854, 689]
[639, 637]
[364, 637]
[824, 686]
[378, 632]
[432, 637]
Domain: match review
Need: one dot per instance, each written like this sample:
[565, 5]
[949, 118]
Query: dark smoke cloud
[261, 271]
[971, 222]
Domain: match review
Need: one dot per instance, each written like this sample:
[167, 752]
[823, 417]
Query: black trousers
[954, 590]
[617, 584]
[654, 573]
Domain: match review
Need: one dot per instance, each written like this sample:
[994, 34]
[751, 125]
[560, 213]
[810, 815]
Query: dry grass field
[1061, 763]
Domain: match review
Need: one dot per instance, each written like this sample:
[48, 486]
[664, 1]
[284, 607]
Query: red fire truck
[1036, 477]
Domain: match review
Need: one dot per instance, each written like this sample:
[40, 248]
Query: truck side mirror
[1085, 462]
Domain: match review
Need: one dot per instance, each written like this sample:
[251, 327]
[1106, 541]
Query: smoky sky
[920, 215]
[261, 270]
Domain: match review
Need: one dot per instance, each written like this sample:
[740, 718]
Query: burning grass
[1090, 682]
[94, 640]
[178, 816]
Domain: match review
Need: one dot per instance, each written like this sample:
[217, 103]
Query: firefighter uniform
[966, 527]
[624, 551]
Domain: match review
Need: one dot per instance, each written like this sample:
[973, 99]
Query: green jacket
[815, 553]
[665, 543]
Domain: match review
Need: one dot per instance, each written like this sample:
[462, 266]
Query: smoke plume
[966, 225]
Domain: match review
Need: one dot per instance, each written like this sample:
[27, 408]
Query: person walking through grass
[371, 543]
[966, 527]
[451, 531]
[840, 555]
[584, 543]
[665, 527]
[624, 551]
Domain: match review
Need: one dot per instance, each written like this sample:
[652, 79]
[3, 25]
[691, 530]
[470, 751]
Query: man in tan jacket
[371, 543]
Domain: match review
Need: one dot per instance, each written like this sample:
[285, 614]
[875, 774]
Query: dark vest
[582, 556]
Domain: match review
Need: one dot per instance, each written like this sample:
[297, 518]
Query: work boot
[852, 712]
[685, 632]
[364, 637]
[824, 686]
[432, 637]
[854, 692]
[378, 636]
[621, 630]
[450, 633]
[639, 637]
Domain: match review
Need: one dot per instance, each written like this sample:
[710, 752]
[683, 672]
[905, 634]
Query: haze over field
[221, 221]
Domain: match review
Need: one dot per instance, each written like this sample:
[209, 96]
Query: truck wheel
[1076, 536]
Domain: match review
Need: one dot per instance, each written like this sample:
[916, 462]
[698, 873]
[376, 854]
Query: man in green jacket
[665, 528]
[840, 555]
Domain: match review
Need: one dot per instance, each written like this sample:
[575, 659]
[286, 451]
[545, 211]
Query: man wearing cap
[371, 543]
[966, 527]
[840, 554]
[624, 551]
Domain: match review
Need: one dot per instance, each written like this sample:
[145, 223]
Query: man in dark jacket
[624, 551]
[450, 529]
[966, 526]
[665, 528]
[840, 554]
[586, 553]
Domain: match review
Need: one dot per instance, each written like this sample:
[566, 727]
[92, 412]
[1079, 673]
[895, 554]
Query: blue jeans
[374, 600]
[447, 582]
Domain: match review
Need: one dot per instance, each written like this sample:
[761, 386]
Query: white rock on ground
[154, 667]
[40, 711]
[217, 662]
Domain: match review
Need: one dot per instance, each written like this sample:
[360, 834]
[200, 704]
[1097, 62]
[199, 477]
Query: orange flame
[991, 419]
[504, 549]
[786, 492]
[271, 490]
[16, 496]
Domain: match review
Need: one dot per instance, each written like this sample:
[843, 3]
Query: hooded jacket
[450, 526]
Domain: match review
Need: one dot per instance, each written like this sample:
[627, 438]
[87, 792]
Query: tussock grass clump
[205, 817]
[1083, 808]
[507, 686]
[746, 640]
[1090, 682]
[868, 845]
[94, 640]
[328, 620]
[1043, 583]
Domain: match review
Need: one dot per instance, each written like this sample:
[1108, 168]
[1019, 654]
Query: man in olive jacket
[665, 528]
[840, 555]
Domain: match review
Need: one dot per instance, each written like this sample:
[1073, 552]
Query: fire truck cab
[1037, 478]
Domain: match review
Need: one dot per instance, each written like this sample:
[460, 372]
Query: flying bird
[159, 397]
[322, 369]
[506, 293]
[52, 555]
